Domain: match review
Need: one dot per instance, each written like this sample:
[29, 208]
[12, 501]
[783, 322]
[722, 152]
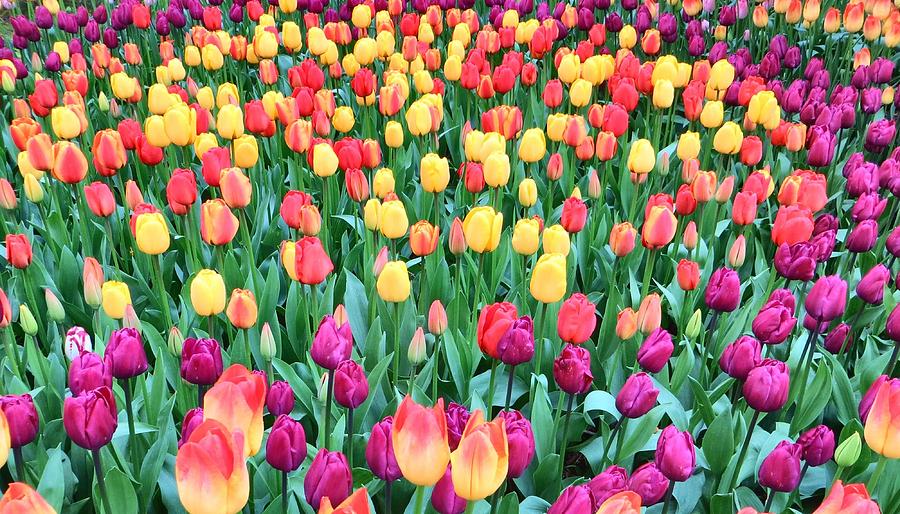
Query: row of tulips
[293, 256]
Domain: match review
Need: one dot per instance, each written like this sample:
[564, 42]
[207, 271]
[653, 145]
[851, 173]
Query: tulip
[574, 215]
[740, 357]
[351, 388]
[621, 239]
[637, 396]
[849, 498]
[774, 323]
[576, 320]
[675, 454]
[688, 274]
[241, 309]
[659, 227]
[20, 497]
[838, 339]
[280, 398]
[520, 438]
[780, 470]
[218, 225]
[649, 315]
[723, 293]
[572, 370]
[575, 499]
[312, 264]
[236, 401]
[115, 297]
[481, 461]
[444, 498]
[22, 420]
[152, 233]
[817, 444]
[548, 278]
[201, 361]
[88, 372]
[18, 250]
[211, 471]
[419, 439]
[766, 386]
[208, 293]
[393, 282]
[125, 354]
[516, 346]
[100, 199]
[380, 451]
[626, 502]
[641, 157]
[526, 236]
[434, 173]
[827, 298]
[482, 228]
[656, 350]
[91, 418]
[649, 482]
[556, 240]
[883, 419]
[286, 445]
[332, 344]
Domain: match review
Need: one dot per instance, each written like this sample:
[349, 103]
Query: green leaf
[542, 421]
[718, 443]
[53, 485]
[121, 492]
[814, 402]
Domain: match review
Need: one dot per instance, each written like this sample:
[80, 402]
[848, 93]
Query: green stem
[129, 411]
[420, 500]
[435, 372]
[648, 274]
[12, 353]
[879, 469]
[284, 492]
[491, 386]
[328, 400]
[470, 507]
[743, 453]
[101, 481]
[161, 292]
[565, 431]
[396, 366]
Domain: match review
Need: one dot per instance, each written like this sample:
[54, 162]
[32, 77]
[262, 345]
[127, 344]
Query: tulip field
[449, 256]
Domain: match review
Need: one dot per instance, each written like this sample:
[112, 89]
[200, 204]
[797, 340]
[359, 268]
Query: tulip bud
[55, 309]
[437, 318]
[458, 243]
[102, 102]
[267, 343]
[77, 341]
[380, 261]
[694, 325]
[656, 351]
[175, 342]
[817, 444]
[27, 321]
[286, 445]
[280, 398]
[130, 319]
[626, 324]
[417, 348]
[738, 252]
[637, 396]
[847, 453]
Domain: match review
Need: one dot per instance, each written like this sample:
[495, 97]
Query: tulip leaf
[121, 492]
[53, 483]
[639, 431]
[533, 505]
[814, 402]
[542, 421]
[509, 504]
[718, 442]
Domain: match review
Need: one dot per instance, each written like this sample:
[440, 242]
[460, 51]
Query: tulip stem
[669, 491]
[387, 496]
[284, 492]
[129, 412]
[889, 370]
[12, 354]
[435, 372]
[101, 481]
[491, 387]
[565, 431]
[879, 469]
[328, 400]
[350, 439]
[201, 392]
[612, 434]
[20, 464]
[735, 475]
[396, 343]
[161, 291]
[648, 274]
[420, 500]
[808, 353]
[470, 507]
[509, 387]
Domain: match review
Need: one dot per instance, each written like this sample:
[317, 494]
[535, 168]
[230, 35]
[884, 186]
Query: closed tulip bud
[626, 324]
[738, 252]
[694, 325]
[527, 192]
[7, 195]
[457, 239]
[688, 274]
[218, 225]
[532, 146]
[656, 350]
[827, 299]
[641, 157]
[324, 160]
[576, 498]
[242, 308]
[77, 341]
[847, 453]
[649, 482]
[675, 455]
[649, 315]
[351, 388]
[237, 190]
[55, 309]
[393, 134]
[766, 387]
[780, 470]
[125, 355]
[576, 320]
[688, 146]
[152, 233]
[133, 195]
[572, 370]
[870, 288]
[175, 341]
[280, 399]
[33, 189]
[286, 445]
[27, 321]
[392, 219]
[548, 278]
[637, 396]
[393, 282]
[659, 227]
[621, 239]
[18, 250]
[22, 419]
[90, 419]
[556, 240]
[92, 277]
[434, 173]
[380, 452]
[417, 350]
[482, 228]
[115, 297]
[423, 238]
[882, 419]
[817, 444]
[723, 292]
[740, 357]
[208, 293]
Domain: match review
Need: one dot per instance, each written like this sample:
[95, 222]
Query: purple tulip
[767, 385]
[286, 451]
[740, 357]
[865, 404]
[380, 451]
[838, 339]
[201, 361]
[818, 445]
[328, 475]
[332, 344]
[637, 396]
[125, 354]
[192, 420]
[88, 371]
[444, 498]
[521, 442]
[784, 297]
[280, 398]
[22, 418]
[611, 481]
[780, 470]
[351, 387]
[879, 135]
[90, 419]
[870, 288]
[774, 323]
[675, 456]
[863, 237]
[827, 298]
[572, 370]
[656, 351]
[893, 242]
[649, 482]
[457, 418]
[516, 345]
[869, 206]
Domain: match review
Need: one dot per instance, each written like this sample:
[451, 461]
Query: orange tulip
[659, 227]
[237, 400]
[883, 423]
[626, 502]
[649, 315]
[626, 323]
[21, 498]
[704, 185]
[69, 163]
[419, 436]
[237, 191]
[218, 224]
[21, 129]
[108, 152]
[481, 460]
[211, 470]
[241, 309]
[40, 151]
[356, 503]
[298, 135]
[423, 238]
[850, 498]
[621, 239]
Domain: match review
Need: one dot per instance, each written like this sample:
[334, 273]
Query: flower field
[447, 256]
